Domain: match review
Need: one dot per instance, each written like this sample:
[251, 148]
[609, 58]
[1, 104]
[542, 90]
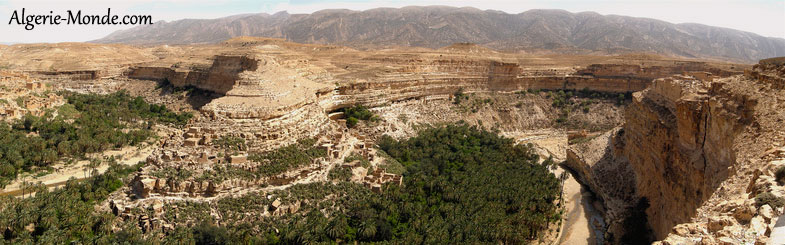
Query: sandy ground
[582, 223]
[127, 156]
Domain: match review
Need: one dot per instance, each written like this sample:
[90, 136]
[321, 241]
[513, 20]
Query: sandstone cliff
[688, 144]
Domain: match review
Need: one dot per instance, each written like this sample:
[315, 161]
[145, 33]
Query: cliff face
[422, 78]
[680, 136]
[220, 77]
[685, 142]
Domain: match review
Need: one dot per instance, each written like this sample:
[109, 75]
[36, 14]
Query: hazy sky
[764, 17]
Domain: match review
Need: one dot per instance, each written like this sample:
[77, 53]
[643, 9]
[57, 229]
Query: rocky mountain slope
[438, 26]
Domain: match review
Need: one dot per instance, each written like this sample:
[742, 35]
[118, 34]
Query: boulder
[718, 223]
[681, 230]
[759, 226]
[744, 213]
[766, 212]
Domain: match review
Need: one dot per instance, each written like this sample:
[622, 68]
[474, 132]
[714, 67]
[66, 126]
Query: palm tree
[24, 185]
[367, 230]
[336, 229]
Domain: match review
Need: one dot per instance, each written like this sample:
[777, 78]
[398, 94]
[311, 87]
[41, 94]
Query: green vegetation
[356, 113]
[88, 123]
[458, 96]
[20, 101]
[482, 186]
[564, 98]
[286, 158]
[172, 174]
[390, 165]
[166, 85]
[770, 199]
[567, 101]
[339, 173]
[779, 175]
[355, 157]
[582, 140]
[469, 103]
[231, 143]
[65, 215]
[462, 185]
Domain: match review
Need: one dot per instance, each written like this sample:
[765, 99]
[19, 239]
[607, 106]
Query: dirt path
[127, 156]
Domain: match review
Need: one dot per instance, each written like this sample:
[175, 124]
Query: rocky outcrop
[219, 77]
[770, 71]
[423, 78]
[683, 142]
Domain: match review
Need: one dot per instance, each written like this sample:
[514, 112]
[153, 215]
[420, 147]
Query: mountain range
[439, 26]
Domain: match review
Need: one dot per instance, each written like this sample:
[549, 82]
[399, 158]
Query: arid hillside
[555, 31]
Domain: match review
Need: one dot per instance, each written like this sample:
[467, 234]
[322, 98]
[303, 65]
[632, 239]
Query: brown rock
[681, 230]
[718, 223]
[142, 187]
[744, 213]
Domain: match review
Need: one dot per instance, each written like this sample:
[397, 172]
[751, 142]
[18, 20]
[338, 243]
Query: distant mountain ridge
[439, 26]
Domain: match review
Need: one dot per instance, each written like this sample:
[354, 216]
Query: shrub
[351, 122]
[356, 113]
[770, 199]
[780, 175]
[458, 96]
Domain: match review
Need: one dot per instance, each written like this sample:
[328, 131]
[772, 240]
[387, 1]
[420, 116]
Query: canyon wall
[683, 141]
[422, 78]
[680, 136]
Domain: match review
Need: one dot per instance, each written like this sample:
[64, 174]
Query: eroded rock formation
[685, 142]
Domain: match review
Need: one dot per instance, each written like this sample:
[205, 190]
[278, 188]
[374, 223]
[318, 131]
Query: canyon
[697, 140]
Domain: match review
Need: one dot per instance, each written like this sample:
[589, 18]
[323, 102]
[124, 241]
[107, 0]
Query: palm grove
[462, 185]
[88, 123]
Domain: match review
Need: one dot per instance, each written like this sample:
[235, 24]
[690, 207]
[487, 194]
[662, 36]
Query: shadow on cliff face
[194, 97]
[636, 225]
